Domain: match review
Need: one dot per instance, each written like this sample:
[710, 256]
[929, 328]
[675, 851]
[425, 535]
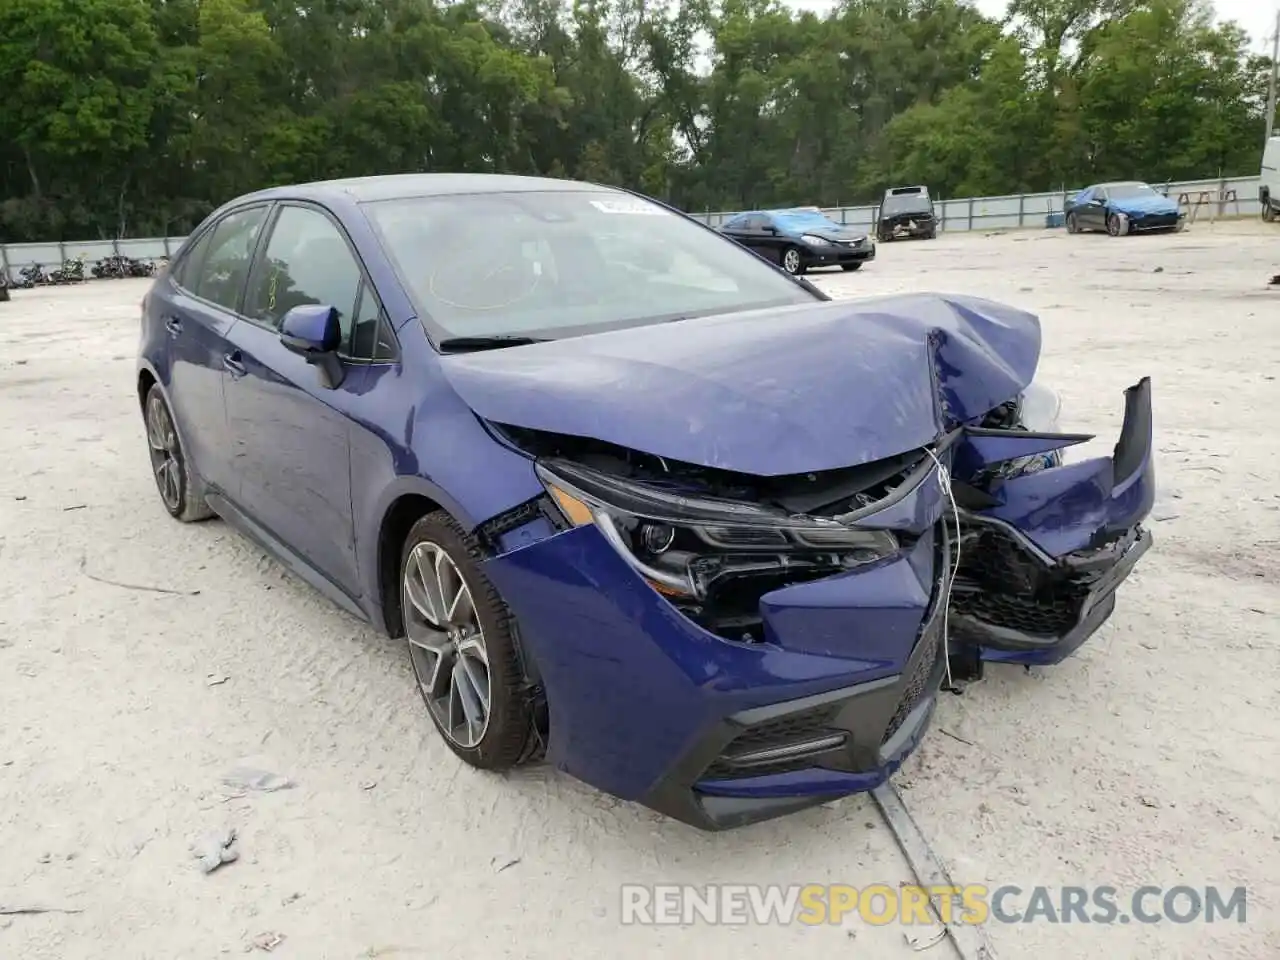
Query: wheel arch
[397, 520]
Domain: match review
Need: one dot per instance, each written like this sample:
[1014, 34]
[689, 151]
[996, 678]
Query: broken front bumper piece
[1043, 554]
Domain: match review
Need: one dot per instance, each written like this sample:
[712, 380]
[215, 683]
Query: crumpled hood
[768, 392]
[1134, 205]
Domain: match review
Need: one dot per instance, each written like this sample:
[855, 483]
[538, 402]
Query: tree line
[137, 117]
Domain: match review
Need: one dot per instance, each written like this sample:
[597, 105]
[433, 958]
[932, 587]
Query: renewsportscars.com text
[880, 904]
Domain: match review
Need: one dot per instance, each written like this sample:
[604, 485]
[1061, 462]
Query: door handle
[173, 325]
[233, 364]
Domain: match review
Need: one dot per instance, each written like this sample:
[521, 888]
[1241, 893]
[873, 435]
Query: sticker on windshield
[636, 207]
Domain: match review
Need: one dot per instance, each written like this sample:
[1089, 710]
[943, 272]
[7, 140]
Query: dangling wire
[944, 481]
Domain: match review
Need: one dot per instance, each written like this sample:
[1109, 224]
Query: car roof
[1120, 183]
[404, 186]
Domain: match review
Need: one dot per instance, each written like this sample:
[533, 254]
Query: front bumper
[837, 253]
[908, 225]
[649, 706]
[1142, 222]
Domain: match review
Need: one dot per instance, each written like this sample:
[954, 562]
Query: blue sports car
[1122, 208]
[641, 503]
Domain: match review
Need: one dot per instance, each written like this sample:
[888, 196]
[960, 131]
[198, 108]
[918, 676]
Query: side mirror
[314, 332]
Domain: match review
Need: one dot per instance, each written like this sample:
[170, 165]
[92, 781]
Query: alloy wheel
[166, 456]
[446, 644]
[791, 260]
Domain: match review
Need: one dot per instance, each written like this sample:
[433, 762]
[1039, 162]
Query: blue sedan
[640, 502]
[1121, 209]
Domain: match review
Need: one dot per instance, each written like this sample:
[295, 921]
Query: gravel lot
[1150, 758]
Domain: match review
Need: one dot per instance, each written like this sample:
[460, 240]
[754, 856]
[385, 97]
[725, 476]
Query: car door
[1096, 210]
[290, 432]
[198, 310]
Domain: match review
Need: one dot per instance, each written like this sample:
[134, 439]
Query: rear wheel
[850, 267]
[793, 261]
[462, 645]
[179, 490]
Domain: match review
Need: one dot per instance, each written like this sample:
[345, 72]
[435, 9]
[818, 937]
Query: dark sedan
[799, 240]
[1122, 208]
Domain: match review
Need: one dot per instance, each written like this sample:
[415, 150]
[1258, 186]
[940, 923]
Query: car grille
[1154, 220]
[1002, 584]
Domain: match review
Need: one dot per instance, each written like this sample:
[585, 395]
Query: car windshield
[1127, 191]
[806, 220]
[551, 264]
[904, 203]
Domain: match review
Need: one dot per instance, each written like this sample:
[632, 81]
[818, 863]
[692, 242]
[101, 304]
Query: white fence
[15, 256]
[967, 213]
[1036, 209]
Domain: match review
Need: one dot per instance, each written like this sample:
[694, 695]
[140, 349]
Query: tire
[850, 267]
[179, 490]
[479, 642]
[793, 261]
[1114, 225]
[932, 234]
[1073, 225]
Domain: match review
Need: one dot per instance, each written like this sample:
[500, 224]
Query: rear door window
[218, 273]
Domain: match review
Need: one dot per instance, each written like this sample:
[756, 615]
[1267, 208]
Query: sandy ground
[1150, 758]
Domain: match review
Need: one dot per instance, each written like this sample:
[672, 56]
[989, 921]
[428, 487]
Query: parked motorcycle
[71, 271]
[118, 266]
[33, 275]
[111, 268]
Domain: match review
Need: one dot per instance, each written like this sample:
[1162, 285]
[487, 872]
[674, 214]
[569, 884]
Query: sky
[1258, 17]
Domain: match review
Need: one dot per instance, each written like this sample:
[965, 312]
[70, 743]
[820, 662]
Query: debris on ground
[214, 848]
[215, 679]
[245, 776]
[9, 911]
[266, 942]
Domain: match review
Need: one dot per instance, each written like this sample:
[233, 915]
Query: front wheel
[461, 646]
[1115, 226]
[850, 267]
[793, 261]
[1073, 225]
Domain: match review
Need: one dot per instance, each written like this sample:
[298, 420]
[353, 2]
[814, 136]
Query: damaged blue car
[640, 502]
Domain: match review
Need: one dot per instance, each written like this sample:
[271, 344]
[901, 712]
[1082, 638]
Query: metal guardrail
[962, 214]
[15, 256]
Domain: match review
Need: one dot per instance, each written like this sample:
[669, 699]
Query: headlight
[680, 542]
[813, 241]
[1041, 408]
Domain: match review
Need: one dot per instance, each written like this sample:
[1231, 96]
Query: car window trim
[365, 281]
[208, 231]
